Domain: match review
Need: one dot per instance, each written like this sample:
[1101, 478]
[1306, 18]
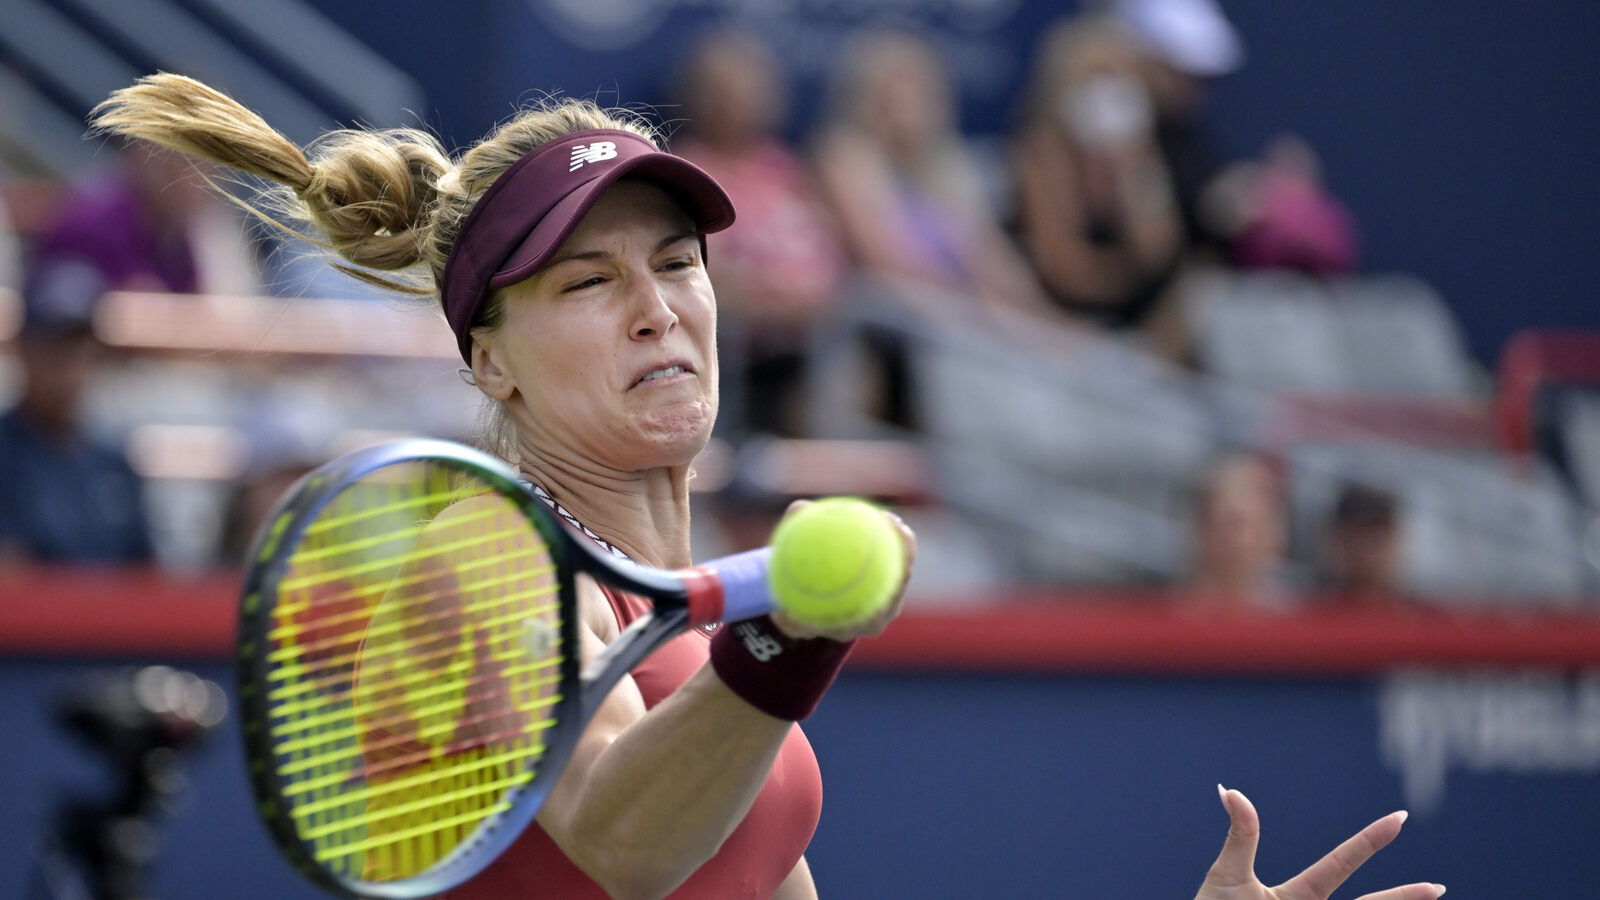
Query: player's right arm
[649, 796]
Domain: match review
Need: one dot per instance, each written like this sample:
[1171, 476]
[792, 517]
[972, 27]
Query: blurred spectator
[1269, 213]
[1095, 206]
[1275, 213]
[1362, 549]
[1241, 533]
[64, 497]
[905, 187]
[777, 271]
[10, 251]
[149, 223]
[1186, 44]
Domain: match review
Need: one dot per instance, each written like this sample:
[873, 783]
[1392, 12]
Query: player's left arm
[1233, 877]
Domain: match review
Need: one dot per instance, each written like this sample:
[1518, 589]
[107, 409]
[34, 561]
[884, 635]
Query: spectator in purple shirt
[148, 223]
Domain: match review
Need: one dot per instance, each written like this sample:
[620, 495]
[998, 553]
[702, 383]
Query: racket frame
[729, 589]
[268, 563]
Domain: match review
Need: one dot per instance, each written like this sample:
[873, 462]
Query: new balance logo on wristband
[761, 645]
[781, 677]
[589, 153]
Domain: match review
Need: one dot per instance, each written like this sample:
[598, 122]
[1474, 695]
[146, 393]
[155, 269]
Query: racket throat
[637, 641]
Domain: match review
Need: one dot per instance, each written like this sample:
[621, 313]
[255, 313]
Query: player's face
[612, 346]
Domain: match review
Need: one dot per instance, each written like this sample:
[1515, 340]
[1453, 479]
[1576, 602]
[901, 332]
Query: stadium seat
[1578, 426]
[1474, 529]
[1400, 339]
[1378, 336]
[1275, 331]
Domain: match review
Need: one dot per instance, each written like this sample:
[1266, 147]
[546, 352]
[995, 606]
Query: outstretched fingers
[1419, 891]
[1236, 863]
[1322, 878]
[1326, 874]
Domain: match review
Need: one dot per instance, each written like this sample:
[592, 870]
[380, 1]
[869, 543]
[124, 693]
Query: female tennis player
[568, 253]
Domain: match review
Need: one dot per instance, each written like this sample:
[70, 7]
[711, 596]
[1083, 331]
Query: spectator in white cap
[1187, 43]
[1095, 210]
[1271, 212]
[1192, 36]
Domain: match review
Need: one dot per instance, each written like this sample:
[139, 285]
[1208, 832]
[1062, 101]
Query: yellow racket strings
[414, 660]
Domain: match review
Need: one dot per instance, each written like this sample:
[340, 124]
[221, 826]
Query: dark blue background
[1462, 134]
[941, 786]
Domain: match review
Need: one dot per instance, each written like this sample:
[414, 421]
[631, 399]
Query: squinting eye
[580, 285]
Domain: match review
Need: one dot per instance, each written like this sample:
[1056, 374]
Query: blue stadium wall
[944, 786]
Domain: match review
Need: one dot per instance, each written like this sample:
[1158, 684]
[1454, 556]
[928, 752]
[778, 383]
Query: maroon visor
[527, 213]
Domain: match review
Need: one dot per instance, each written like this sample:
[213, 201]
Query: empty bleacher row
[1081, 463]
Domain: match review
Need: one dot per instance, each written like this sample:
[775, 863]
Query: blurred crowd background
[1212, 304]
[1232, 307]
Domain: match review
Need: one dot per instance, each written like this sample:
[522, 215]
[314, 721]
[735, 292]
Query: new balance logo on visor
[588, 153]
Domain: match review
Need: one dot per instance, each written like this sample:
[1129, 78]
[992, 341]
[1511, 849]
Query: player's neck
[643, 514]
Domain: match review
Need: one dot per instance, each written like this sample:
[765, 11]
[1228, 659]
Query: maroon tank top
[754, 860]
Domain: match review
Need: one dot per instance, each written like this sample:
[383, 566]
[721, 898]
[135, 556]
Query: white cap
[1192, 36]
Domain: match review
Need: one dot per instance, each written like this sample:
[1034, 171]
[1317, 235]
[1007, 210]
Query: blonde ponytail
[390, 202]
[180, 113]
[366, 195]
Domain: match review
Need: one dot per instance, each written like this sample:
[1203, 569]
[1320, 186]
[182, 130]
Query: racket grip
[732, 589]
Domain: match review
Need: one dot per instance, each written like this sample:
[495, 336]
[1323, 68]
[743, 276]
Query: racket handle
[730, 589]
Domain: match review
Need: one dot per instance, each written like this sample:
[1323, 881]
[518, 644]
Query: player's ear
[488, 373]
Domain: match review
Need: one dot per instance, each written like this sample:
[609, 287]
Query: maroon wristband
[782, 676]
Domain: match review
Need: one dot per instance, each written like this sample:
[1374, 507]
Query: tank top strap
[572, 520]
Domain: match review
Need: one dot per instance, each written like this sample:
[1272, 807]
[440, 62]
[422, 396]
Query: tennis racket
[409, 669]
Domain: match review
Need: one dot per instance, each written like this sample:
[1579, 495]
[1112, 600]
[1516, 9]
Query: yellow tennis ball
[835, 563]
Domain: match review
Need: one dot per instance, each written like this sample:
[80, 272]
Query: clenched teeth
[662, 373]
